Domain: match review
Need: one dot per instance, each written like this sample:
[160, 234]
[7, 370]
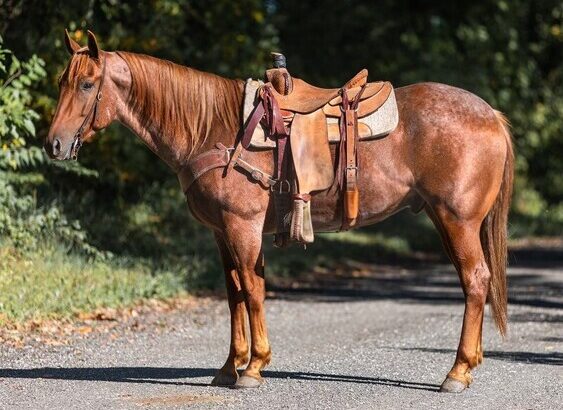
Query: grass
[53, 283]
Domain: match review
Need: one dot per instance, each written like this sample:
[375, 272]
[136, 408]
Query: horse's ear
[71, 45]
[93, 45]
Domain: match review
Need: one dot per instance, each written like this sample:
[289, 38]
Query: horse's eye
[86, 85]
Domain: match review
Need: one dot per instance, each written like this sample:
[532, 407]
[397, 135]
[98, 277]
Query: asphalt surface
[369, 337]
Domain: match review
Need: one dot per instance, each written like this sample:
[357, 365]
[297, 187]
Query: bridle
[77, 143]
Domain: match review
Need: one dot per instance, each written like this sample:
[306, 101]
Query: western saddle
[299, 121]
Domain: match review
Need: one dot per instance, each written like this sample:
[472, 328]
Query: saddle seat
[305, 98]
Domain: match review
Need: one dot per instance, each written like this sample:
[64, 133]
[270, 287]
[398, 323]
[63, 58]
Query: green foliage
[16, 119]
[24, 224]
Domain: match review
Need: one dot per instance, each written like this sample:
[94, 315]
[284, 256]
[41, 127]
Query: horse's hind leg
[238, 351]
[463, 245]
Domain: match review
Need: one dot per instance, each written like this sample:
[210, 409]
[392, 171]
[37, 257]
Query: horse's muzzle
[55, 150]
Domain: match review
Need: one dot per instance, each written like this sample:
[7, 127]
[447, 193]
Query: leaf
[29, 126]
[15, 66]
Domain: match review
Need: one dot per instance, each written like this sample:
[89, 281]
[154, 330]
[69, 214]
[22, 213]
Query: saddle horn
[278, 60]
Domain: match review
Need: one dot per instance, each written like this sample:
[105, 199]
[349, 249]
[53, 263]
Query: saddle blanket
[375, 125]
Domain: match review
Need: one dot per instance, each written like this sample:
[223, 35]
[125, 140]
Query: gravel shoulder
[359, 336]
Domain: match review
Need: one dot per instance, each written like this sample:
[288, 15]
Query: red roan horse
[450, 155]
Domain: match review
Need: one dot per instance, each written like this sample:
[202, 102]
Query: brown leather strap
[77, 143]
[282, 147]
[272, 116]
[220, 156]
[267, 110]
[255, 173]
[351, 122]
[348, 156]
[251, 125]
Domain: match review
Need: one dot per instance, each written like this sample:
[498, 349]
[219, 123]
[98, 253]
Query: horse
[451, 155]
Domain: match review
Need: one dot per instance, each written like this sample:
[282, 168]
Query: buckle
[354, 169]
[281, 186]
[262, 177]
[229, 153]
[256, 174]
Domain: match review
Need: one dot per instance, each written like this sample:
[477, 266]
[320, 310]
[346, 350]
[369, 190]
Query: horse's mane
[181, 101]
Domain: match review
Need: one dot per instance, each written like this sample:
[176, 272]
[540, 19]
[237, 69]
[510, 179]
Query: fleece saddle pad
[371, 126]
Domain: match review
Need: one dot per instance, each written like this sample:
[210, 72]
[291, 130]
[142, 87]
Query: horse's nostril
[56, 146]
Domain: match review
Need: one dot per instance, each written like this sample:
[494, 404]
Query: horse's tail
[494, 235]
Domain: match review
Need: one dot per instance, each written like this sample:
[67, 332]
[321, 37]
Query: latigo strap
[349, 158]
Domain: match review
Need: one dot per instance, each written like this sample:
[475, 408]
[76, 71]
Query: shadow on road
[552, 358]
[531, 287]
[166, 376]
[534, 278]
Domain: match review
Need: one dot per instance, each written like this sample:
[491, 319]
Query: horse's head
[85, 105]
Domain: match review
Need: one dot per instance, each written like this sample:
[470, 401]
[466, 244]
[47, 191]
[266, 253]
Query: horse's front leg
[238, 351]
[244, 240]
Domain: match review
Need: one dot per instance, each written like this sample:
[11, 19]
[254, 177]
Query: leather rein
[77, 143]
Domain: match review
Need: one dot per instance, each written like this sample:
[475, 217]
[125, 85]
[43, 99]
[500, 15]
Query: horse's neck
[176, 150]
[150, 137]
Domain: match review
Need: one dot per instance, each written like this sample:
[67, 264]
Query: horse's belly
[384, 183]
[327, 208]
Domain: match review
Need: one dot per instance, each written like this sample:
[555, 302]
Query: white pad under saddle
[381, 122]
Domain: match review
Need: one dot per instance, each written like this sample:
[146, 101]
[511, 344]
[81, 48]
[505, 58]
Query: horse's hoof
[246, 382]
[224, 379]
[451, 385]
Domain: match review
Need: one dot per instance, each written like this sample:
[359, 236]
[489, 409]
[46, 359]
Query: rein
[77, 143]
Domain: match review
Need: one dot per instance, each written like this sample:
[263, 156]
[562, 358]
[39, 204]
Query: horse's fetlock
[242, 358]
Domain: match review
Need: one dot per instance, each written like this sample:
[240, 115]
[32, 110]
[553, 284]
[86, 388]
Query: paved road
[359, 337]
